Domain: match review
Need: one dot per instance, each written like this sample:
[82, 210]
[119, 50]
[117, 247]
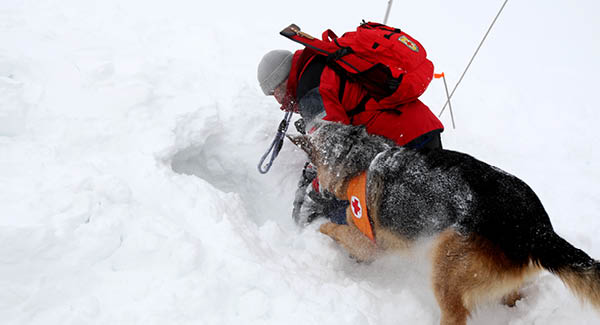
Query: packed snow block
[13, 107]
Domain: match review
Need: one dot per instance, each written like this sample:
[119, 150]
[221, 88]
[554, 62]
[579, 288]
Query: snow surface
[130, 133]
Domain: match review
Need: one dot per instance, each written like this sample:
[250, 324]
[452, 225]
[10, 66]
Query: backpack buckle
[343, 51]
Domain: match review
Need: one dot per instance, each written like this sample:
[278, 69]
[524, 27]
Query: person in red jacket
[303, 82]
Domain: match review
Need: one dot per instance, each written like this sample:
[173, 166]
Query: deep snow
[130, 133]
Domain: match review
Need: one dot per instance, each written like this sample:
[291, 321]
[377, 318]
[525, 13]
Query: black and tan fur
[491, 232]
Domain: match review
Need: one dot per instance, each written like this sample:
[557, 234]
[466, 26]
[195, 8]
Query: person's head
[273, 72]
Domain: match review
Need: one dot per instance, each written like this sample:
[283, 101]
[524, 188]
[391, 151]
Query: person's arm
[325, 101]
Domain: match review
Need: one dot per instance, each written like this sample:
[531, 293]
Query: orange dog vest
[357, 195]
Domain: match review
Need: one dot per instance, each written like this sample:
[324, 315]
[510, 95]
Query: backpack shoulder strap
[361, 107]
[310, 77]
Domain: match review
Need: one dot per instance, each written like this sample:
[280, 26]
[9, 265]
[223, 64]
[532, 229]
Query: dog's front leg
[355, 242]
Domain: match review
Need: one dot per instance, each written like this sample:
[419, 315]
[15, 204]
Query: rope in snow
[275, 145]
[472, 58]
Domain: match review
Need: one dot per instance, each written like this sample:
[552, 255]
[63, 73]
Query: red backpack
[390, 64]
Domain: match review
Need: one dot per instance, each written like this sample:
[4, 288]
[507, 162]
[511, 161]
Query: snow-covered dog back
[490, 230]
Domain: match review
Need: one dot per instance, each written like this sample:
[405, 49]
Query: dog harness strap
[357, 195]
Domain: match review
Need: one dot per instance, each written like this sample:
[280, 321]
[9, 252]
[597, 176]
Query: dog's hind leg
[468, 270]
[355, 242]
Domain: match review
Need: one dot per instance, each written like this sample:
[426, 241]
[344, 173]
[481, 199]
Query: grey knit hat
[273, 69]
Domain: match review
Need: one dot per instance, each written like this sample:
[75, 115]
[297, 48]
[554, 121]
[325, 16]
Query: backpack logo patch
[410, 44]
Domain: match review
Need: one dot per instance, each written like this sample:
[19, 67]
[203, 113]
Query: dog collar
[357, 195]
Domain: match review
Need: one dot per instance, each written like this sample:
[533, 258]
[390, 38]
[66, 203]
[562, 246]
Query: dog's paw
[359, 246]
[329, 228]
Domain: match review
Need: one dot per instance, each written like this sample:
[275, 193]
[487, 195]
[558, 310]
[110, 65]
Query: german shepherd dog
[490, 231]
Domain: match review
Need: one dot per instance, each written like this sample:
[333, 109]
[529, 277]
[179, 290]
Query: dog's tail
[577, 270]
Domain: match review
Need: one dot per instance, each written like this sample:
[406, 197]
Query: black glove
[300, 126]
[328, 206]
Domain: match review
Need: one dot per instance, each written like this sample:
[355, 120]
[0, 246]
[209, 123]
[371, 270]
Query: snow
[130, 133]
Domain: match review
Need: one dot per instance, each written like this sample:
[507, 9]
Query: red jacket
[401, 124]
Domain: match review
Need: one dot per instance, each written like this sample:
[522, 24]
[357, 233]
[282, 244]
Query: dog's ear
[303, 142]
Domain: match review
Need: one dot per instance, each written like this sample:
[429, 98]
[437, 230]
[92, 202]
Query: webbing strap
[328, 35]
[361, 107]
[275, 145]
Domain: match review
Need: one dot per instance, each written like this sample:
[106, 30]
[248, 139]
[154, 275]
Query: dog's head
[340, 151]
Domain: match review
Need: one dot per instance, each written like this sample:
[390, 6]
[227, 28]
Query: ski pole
[472, 58]
[387, 12]
[443, 76]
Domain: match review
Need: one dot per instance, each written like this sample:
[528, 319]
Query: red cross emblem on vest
[356, 208]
